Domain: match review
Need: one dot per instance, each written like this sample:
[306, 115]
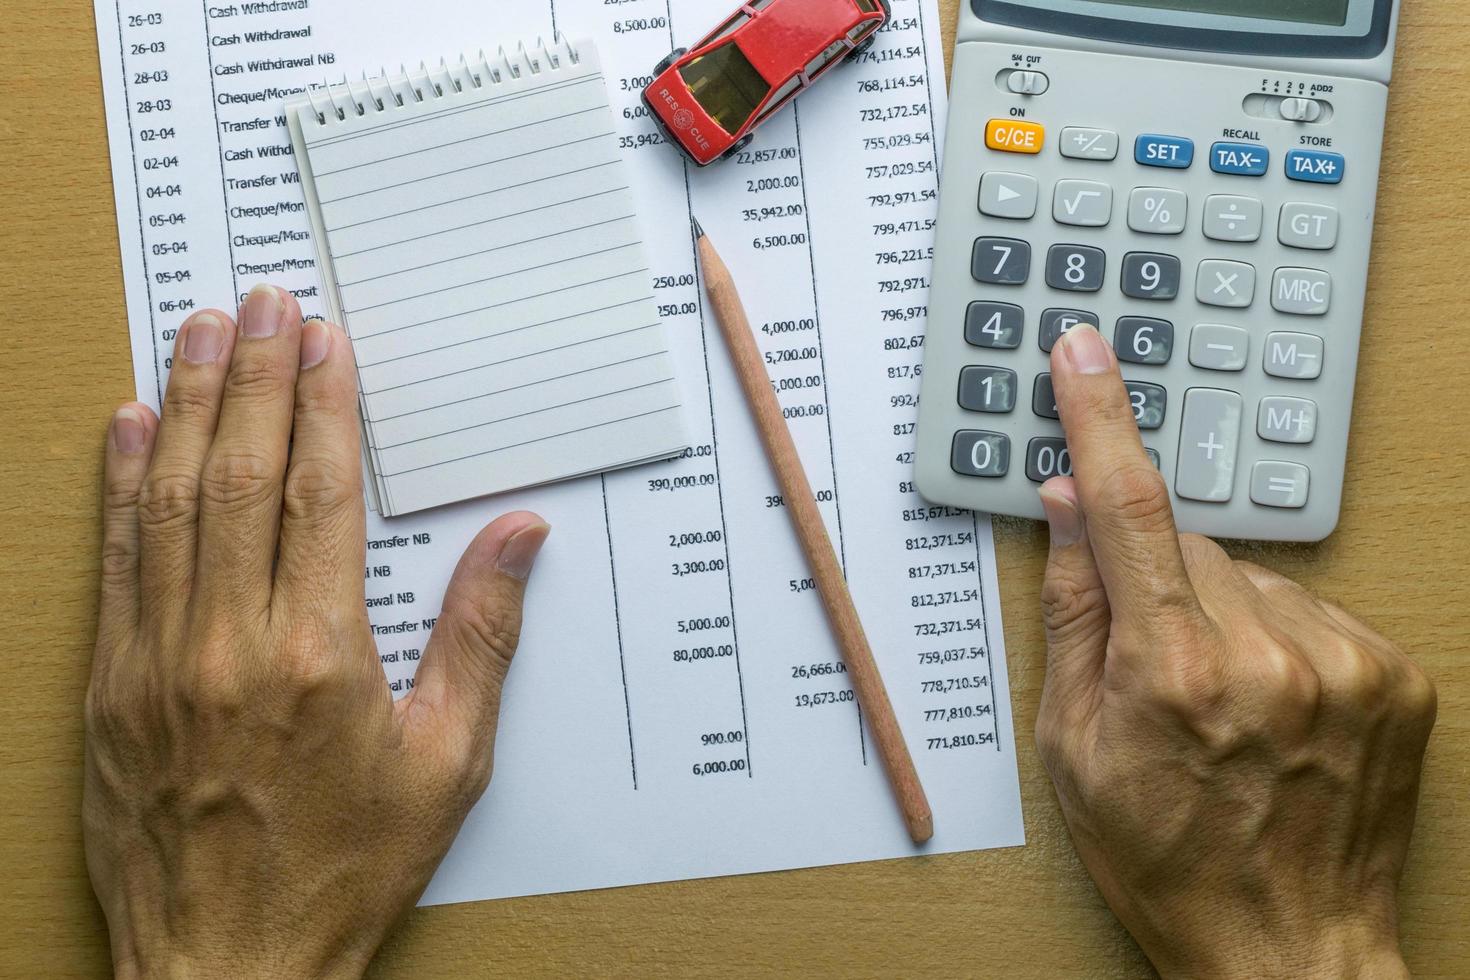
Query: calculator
[1195, 178]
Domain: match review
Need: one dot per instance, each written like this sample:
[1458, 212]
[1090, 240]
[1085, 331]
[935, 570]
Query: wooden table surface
[1400, 559]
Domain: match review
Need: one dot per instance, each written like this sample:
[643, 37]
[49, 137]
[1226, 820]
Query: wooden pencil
[811, 531]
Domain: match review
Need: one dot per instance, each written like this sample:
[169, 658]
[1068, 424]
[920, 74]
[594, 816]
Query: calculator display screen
[1333, 12]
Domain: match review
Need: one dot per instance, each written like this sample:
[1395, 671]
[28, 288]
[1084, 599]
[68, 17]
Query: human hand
[1237, 761]
[255, 802]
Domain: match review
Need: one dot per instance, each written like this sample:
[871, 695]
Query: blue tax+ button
[1316, 166]
[1164, 151]
[1245, 159]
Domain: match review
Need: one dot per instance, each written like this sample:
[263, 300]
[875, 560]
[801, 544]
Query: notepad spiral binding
[358, 97]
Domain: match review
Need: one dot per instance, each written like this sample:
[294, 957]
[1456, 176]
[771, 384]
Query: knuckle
[1418, 693]
[189, 402]
[317, 487]
[1361, 675]
[1072, 600]
[496, 636]
[168, 499]
[237, 477]
[257, 378]
[1136, 495]
[119, 562]
[1289, 679]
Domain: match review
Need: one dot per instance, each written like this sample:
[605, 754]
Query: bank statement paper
[678, 708]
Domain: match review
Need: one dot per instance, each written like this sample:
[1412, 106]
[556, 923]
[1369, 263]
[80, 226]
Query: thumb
[464, 667]
[1075, 609]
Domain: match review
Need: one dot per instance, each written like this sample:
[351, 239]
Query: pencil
[811, 531]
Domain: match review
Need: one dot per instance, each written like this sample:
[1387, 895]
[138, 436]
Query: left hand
[255, 802]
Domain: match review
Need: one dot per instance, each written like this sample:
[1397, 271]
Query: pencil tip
[698, 231]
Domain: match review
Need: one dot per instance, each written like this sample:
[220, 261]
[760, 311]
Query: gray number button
[976, 453]
[1148, 404]
[1308, 226]
[1283, 419]
[1157, 210]
[1279, 484]
[1306, 292]
[1144, 340]
[994, 325]
[1150, 275]
[1076, 267]
[1047, 457]
[1005, 195]
[987, 389]
[1000, 261]
[1054, 323]
[1293, 355]
[1224, 283]
[1044, 398]
[1082, 202]
[1231, 218]
[1217, 347]
[1208, 437]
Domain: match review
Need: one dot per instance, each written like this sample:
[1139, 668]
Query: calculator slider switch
[1300, 110]
[1014, 136]
[1026, 82]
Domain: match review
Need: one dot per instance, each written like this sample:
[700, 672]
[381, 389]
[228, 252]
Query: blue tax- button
[1317, 166]
[1164, 151]
[1245, 159]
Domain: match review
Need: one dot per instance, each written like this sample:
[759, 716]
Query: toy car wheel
[672, 57]
[738, 145]
[857, 52]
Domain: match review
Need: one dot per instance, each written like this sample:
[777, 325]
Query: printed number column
[883, 146]
[164, 50]
[678, 634]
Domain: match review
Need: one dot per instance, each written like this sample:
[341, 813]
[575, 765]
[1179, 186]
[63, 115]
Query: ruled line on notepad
[529, 442]
[491, 336]
[467, 139]
[446, 112]
[486, 251]
[498, 275]
[508, 360]
[471, 197]
[502, 391]
[474, 224]
[496, 306]
[522, 415]
[473, 166]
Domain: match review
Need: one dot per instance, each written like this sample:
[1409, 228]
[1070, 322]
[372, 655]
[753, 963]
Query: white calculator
[1195, 178]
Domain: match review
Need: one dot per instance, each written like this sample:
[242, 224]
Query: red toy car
[709, 99]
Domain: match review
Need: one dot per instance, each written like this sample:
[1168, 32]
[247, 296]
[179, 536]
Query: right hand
[1237, 761]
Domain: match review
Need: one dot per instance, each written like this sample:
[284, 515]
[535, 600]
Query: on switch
[1027, 82]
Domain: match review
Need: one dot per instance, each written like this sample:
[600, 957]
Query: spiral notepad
[477, 239]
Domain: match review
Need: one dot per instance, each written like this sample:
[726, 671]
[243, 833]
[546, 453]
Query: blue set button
[1317, 166]
[1175, 152]
[1245, 159]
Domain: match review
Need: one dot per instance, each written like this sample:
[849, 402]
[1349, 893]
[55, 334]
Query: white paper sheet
[677, 708]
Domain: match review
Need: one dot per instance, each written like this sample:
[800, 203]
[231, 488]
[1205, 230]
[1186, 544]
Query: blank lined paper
[482, 250]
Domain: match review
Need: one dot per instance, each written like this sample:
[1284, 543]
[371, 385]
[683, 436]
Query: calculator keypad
[1210, 248]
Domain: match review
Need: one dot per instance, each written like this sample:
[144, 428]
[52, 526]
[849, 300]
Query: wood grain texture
[816, 545]
[1400, 559]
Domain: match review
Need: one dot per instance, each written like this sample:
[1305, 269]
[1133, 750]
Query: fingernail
[316, 341]
[1063, 517]
[128, 431]
[1087, 350]
[263, 309]
[204, 335]
[518, 555]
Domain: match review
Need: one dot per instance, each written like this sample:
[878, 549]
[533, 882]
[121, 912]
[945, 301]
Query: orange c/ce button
[1014, 135]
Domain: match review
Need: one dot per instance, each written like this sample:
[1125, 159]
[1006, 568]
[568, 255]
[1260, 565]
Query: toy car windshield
[726, 85]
